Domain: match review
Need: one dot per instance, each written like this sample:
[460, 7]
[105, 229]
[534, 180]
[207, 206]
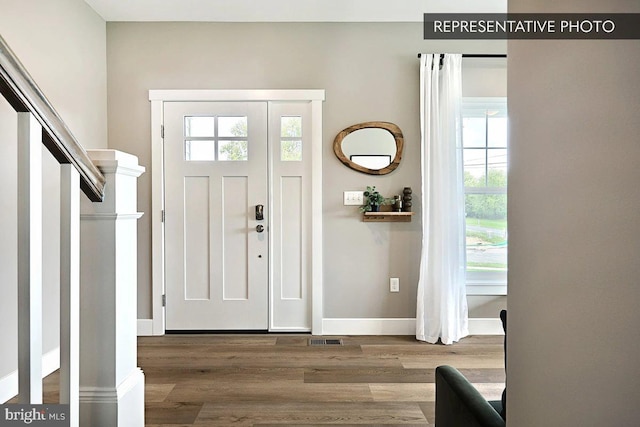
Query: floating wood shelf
[387, 216]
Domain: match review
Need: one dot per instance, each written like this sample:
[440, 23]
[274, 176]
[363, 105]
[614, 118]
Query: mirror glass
[373, 147]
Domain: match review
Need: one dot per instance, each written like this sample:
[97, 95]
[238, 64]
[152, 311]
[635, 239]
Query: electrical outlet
[353, 198]
[394, 284]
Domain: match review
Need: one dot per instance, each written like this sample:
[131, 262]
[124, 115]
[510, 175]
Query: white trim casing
[157, 209]
[407, 326]
[317, 279]
[237, 95]
[157, 99]
[479, 288]
[477, 326]
[145, 327]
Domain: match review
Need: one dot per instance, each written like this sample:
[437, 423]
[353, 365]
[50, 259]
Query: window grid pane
[232, 150]
[232, 126]
[202, 126]
[291, 127]
[497, 132]
[290, 138]
[474, 132]
[485, 179]
[200, 150]
[290, 150]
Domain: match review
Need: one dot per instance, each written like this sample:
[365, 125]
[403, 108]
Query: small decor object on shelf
[406, 199]
[397, 203]
[374, 200]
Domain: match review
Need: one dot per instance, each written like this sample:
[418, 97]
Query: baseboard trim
[373, 326]
[485, 326]
[368, 326]
[9, 383]
[112, 394]
[145, 327]
[477, 326]
[122, 405]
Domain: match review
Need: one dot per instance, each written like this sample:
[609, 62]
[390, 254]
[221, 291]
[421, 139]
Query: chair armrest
[458, 403]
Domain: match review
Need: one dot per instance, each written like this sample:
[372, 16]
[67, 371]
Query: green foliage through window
[485, 180]
[291, 138]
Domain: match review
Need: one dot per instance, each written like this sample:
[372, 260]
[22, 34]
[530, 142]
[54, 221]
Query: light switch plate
[394, 284]
[353, 198]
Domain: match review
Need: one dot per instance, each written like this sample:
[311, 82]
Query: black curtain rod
[480, 55]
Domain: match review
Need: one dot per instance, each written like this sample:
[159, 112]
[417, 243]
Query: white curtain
[442, 303]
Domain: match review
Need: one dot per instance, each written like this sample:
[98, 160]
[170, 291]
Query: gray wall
[62, 44]
[369, 71]
[574, 232]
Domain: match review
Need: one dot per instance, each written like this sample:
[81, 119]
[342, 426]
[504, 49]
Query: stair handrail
[24, 95]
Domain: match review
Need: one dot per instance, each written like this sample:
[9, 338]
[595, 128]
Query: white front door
[216, 245]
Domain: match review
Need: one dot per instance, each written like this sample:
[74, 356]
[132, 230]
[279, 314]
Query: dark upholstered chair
[459, 404]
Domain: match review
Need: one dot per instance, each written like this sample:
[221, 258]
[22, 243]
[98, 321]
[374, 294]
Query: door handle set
[259, 217]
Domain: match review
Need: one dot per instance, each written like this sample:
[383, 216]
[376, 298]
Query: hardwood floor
[279, 380]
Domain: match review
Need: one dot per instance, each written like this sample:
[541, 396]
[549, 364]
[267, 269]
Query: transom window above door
[216, 138]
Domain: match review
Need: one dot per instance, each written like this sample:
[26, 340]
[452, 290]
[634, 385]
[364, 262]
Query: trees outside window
[484, 141]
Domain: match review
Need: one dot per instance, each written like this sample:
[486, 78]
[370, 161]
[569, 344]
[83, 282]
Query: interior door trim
[157, 99]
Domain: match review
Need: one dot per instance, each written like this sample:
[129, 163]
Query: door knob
[259, 228]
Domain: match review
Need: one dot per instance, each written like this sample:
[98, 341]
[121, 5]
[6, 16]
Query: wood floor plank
[468, 361]
[260, 359]
[239, 340]
[372, 374]
[429, 410]
[164, 375]
[430, 350]
[272, 391]
[157, 392]
[395, 375]
[171, 412]
[340, 413]
[403, 392]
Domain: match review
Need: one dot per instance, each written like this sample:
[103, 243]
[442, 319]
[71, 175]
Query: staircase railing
[24, 95]
[39, 123]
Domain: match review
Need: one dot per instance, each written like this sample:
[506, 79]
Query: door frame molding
[157, 99]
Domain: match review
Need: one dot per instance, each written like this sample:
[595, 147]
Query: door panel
[235, 244]
[290, 231]
[196, 247]
[215, 175]
[290, 152]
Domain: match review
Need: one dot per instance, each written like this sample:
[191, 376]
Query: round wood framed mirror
[374, 148]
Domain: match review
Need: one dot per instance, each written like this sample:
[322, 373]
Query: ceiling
[287, 10]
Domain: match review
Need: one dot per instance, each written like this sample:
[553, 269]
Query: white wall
[574, 198]
[62, 44]
[369, 71]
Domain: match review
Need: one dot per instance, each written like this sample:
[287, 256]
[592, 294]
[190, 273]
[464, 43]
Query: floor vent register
[323, 341]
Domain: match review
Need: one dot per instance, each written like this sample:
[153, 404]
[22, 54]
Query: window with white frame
[484, 141]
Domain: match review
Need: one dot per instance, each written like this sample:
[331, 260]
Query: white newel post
[111, 384]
